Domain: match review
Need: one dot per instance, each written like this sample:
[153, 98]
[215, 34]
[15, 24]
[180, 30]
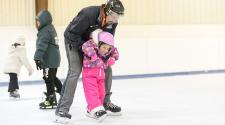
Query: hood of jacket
[44, 17]
[20, 39]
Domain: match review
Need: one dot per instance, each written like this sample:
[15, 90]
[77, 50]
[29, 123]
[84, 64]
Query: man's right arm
[77, 27]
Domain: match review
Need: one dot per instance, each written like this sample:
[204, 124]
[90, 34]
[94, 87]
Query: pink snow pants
[94, 86]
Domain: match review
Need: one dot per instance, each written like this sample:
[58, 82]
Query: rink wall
[143, 49]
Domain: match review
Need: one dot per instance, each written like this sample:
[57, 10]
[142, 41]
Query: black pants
[13, 82]
[51, 81]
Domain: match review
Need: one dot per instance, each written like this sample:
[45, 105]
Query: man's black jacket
[87, 20]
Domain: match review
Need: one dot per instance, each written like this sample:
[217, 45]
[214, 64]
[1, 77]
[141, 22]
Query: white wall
[137, 12]
[143, 49]
[148, 12]
[17, 12]
[155, 49]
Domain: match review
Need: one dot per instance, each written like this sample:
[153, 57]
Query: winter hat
[106, 37]
[20, 39]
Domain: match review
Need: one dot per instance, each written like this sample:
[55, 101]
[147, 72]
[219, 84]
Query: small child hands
[111, 61]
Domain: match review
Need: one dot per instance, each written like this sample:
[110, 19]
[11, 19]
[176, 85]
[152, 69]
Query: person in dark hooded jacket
[87, 24]
[47, 57]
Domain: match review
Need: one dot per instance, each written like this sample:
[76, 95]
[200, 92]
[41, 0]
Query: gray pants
[70, 84]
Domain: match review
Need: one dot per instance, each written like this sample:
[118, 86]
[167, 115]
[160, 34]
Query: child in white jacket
[15, 59]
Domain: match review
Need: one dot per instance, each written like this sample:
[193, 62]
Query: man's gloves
[38, 64]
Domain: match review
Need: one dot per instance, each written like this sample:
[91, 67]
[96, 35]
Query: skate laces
[111, 105]
[100, 113]
[47, 102]
[15, 93]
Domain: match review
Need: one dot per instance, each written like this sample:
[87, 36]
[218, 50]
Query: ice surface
[178, 100]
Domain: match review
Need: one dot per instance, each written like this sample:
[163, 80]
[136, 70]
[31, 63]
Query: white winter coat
[16, 58]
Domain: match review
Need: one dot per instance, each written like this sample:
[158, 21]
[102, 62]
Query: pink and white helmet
[106, 37]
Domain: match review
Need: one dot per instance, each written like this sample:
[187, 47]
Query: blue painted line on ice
[134, 76]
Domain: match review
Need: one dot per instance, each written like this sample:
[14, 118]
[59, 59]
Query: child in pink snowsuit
[96, 58]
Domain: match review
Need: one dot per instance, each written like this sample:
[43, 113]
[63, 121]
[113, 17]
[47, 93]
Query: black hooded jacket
[47, 49]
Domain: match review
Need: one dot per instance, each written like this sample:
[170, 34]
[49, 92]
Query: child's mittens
[111, 61]
[94, 57]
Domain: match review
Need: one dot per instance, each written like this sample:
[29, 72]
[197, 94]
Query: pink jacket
[90, 49]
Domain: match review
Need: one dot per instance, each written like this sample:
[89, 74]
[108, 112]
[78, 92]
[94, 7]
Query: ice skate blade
[102, 118]
[109, 113]
[14, 98]
[48, 107]
[61, 120]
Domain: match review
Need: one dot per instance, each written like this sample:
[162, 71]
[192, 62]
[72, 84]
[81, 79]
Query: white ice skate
[98, 114]
[62, 118]
[14, 95]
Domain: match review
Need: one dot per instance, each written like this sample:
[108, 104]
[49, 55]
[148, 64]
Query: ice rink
[176, 100]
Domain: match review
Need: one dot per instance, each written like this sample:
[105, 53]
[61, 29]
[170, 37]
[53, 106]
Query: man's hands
[38, 64]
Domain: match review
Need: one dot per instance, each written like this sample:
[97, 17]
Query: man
[47, 57]
[84, 25]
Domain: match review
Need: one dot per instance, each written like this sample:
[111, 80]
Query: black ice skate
[112, 109]
[62, 118]
[98, 115]
[50, 102]
[14, 94]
